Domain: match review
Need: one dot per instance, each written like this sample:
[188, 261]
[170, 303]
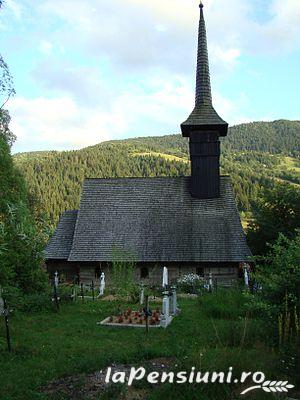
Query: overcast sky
[92, 70]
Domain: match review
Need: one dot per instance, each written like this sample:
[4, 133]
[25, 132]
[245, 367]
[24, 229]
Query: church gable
[60, 244]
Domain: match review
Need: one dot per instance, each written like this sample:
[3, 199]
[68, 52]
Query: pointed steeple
[203, 89]
[204, 116]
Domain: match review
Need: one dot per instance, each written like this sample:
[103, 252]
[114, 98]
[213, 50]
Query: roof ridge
[145, 178]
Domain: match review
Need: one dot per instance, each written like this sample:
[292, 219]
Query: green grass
[50, 345]
[168, 157]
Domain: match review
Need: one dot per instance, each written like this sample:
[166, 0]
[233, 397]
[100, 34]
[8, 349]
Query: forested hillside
[253, 154]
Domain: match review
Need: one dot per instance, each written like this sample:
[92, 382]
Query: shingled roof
[60, 244]
[204, 115]
[154, 218]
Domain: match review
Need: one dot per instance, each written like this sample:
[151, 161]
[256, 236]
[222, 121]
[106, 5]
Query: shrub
[34, 302]
[123, 269]
[279, 277]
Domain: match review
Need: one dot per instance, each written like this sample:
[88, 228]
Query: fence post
[147, 313]
[93, 290]
[81, 292]
[56, 298]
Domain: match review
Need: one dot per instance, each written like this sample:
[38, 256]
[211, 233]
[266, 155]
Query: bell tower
[204, 128]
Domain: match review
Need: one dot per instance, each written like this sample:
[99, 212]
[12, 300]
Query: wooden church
[189, 224]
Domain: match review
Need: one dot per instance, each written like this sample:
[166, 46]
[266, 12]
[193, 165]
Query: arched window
[144, 272]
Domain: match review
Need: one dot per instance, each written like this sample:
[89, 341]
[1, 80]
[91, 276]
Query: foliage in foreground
[21, 242]
[278, 301]
[277, 211]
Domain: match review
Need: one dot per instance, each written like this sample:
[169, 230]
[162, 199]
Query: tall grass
[223, 304]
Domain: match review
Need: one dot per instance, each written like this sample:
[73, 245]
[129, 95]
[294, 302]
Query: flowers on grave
[189, 279]
[190, 283]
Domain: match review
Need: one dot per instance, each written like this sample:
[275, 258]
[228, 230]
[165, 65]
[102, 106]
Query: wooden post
[93, 290]
[74, 294]
[6, 313]
[81, 292]
[147, 313]
[56, 298]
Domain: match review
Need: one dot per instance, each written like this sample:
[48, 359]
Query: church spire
[203, 89]
[204, 115]
[204, 128]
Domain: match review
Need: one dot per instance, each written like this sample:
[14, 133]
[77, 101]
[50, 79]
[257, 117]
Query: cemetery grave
[135, 319]
[145, 317]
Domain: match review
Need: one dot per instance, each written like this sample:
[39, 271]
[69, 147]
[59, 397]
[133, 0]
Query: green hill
[253, 154]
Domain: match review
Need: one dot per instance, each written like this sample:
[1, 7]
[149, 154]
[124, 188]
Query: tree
[5, 132]
[277, 211]
[278, 300]
[6, 83]
[21, 242]
[280, 275]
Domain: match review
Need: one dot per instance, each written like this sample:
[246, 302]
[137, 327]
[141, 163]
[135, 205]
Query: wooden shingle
[59, 246]
[158, 221]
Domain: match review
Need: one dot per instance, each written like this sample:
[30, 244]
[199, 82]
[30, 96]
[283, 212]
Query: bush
[278, 300]
[122, 277]
[35, 302]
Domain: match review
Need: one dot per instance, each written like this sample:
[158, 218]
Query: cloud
[128, 67]
[46, 47]
[59, 123]
[135, 35]
[228, 58]
[86, 85]
[63, 123]
[15, 8]
[282, 32]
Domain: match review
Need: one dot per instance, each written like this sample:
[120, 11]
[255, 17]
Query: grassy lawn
[206, 335]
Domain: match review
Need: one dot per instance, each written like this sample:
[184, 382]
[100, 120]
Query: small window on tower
[200, 271]
[144, 272]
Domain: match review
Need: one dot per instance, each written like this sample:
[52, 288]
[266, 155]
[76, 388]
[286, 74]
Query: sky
[86, 71]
